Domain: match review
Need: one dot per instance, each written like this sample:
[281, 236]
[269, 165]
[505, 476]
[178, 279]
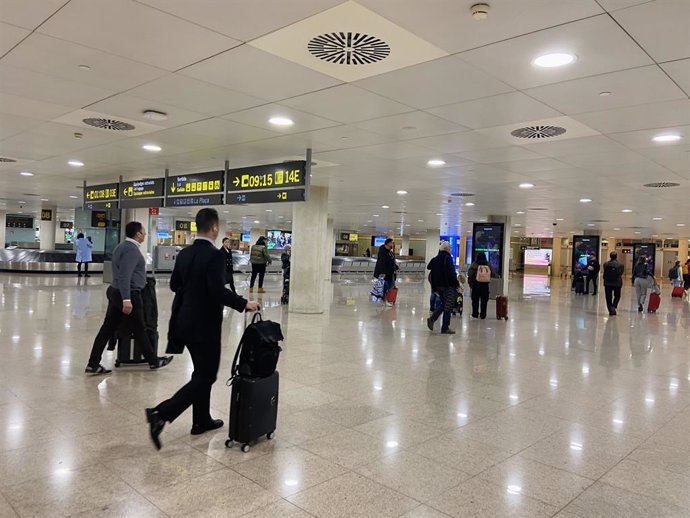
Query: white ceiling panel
[342, 137]
[647, 116]
[28, 13]
[452, 28]
[599, 162]
[260, 115]
[227, 131]
[346, 103]
[661, 27]
[10, 36]
[495, 111]
[511, 61]
[443, 81]
[13, 124]
[675, 158]
[258, 73]
[410, 125]
[15, 105]
[194, 95]
[107, 71]
[136, 32]
[396, 150]
[578, 146]
[614, 5]
[41, 87]
[131, 107]
[240, 19]
[530, 166]
[627, 88]
[643, 138]
[459, 142]
[502, 154]
[680, 72]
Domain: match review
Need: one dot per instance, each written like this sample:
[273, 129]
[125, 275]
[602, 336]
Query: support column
[3, 224]
[46, 232]
[405, 246]
[556, 257]
[463, 250]
[433, 239]
[506, 251]
[309, 237]
[683, 249]
[330, 251]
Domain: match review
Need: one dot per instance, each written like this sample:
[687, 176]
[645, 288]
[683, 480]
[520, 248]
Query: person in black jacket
[444, 281]
[196, 321]
[593, 268]
[613, 282]
[229, 267]
[385, 265]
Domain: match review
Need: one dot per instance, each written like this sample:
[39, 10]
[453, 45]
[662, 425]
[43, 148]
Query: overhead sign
[142, 193]
[195, 189]
[66, 224]
[104, 196]
[264, 177]
[275, 196]
[14, 221]
[188, 201]
[46, 215]
[99, 219]
[183, 226]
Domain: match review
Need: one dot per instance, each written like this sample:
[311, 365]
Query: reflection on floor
[560, 411]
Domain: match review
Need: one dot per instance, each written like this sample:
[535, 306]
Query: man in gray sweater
[124, 301]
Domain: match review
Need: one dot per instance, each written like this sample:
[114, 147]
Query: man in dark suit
[198, 281]
[229, 267]
[593, 268]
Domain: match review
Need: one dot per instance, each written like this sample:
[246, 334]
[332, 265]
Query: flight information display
[103, 196]
[263, 177]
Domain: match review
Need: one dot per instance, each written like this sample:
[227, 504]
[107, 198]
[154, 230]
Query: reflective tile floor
[560, 411]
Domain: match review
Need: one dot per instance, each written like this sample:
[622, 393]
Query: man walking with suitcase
[613, 282]
[198, 281]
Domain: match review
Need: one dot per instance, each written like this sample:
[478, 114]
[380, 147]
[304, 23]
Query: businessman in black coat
[229, 267]
[198, 281]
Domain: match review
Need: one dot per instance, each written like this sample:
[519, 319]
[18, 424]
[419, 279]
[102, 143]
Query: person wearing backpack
[479, 276]
[675, 275]
[641, 282]
[444, 283]
[613, 282]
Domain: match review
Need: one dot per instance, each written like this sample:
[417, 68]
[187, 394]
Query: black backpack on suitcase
[257, 354]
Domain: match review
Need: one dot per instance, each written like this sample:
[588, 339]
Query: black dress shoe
[213, 424]
[156, 425]
[98, 369]
[162, 362]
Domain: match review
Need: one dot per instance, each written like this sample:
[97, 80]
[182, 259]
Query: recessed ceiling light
[604, 94]
[469, 204]
[590, 224]
[526, 185]
[21, 202]
[657, 219]
[281, 121]
[401, 193]
[585, 200]
[420, 221]
[385, 207]
[375, 215]
[439, 214]
[257, 221]
[73, 196]
[556, 59]
[616, 228]
[269, 210]
[76, 163]
[626, 210]
[369, 220]
[667, 138]
[436, 162]
[26, 173]
[680, 224]
[517, 225]
[638, 232]
[152, 147]
[45, 199]
[560, 219]
[520, 212]
[154, 115]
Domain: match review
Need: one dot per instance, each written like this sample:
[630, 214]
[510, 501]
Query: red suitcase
[678, 292]
[502, 307]
[392, 295]
[654, 302]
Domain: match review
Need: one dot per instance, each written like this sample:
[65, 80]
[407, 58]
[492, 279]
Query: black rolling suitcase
[255, 382]
[128, 350]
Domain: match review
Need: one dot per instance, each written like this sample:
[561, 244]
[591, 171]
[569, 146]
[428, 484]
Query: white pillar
[309, 237]
[405, 246]
[505, 267]
[3, 223]
[329, 246]
[433, 239]
[46, 230]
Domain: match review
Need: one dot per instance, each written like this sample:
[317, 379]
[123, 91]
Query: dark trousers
[86, 267]
[613, 296]
[440, 303]
[230, 279]
[480, 295]
[260, 270]
[196, 393]
[113, 318]
[686, 282]
[595, 284]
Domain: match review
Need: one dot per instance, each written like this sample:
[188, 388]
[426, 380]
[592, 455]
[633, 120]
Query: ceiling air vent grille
[109, 124]
[661, 185]
[349, 48]
[537, 208]
[5, 160]
[538, 132]
[462, 194]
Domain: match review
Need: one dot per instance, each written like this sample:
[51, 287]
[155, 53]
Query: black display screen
[488, 238]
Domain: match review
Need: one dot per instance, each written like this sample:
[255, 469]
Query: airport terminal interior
[548, 135]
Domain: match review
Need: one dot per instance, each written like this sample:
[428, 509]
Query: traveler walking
[675, 275]
[285, 258]
[641, 276]
[444, 282]
[613, 282]
[84, 247]
[260, 259]
[196, 322]
[686, 275]
[229, 267]
[593, 268]
[125, 302]
[385, 265]
[479, 277]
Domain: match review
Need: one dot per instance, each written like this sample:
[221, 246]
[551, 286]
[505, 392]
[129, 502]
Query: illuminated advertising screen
[583, 246]
[246, 238]
[278, 239]
[648, 250]
[538, 257]
[488, 238]
[378, 240]
[454, 248]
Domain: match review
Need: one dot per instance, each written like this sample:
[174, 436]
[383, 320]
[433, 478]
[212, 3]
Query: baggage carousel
[44, 261]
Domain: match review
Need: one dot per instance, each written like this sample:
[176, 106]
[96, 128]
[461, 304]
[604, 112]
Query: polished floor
[560, 411]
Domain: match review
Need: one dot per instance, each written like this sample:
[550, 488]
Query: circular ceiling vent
[349, 48]
[537, 208]
[5, 160]
[538, 132]
[462, 194]
[600, 221]
[109, 124]
[661, 185]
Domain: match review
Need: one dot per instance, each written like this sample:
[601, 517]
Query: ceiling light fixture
[680, 224]
[154, 115]
[626, 210]
[556, 59]
[436, 162]
[26, 173]
[657, 219]
[604, 94]
[76, 163]
[257, 221]
[73, 197]
[616, 228]
[154, 148]
[281, 121]
[385, 207]
[469, 204]
[439, 214]
[526, 185]
[269, 210]
[401, 193]
[585, 200]
[374, 215]
[45, 199]
[667, 138]
[560, 219]
[520, 212]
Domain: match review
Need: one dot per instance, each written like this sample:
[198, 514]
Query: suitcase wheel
[270, 435]
[229, 443]
[245, 448]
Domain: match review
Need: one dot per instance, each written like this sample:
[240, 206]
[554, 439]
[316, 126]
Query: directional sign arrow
[172, 187]
[236, 181]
